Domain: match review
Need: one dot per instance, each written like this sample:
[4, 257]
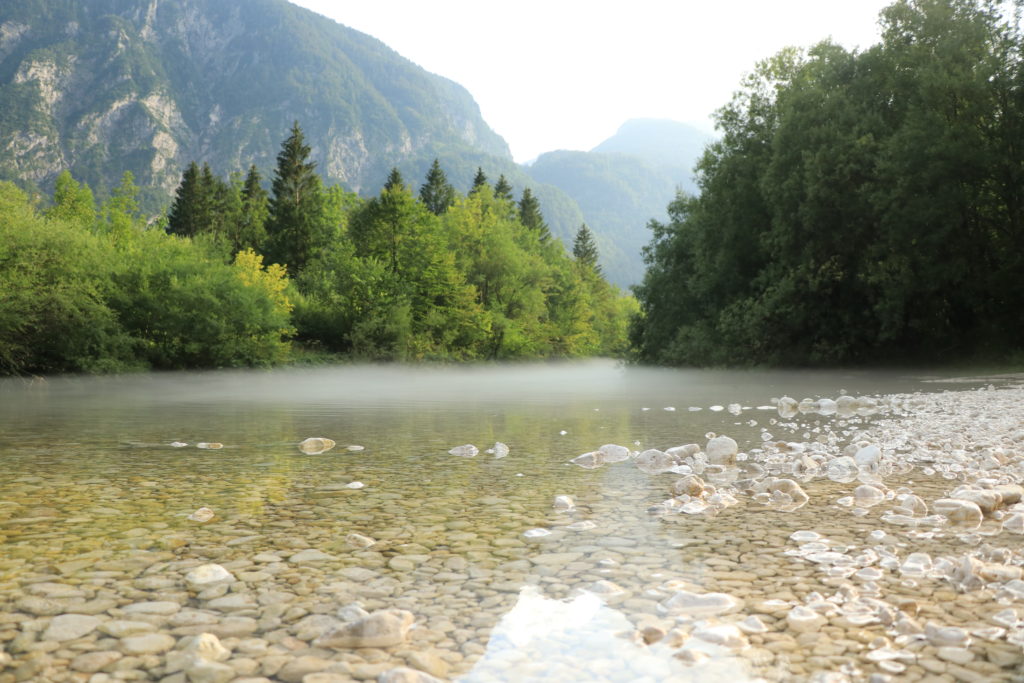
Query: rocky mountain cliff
[104, 86]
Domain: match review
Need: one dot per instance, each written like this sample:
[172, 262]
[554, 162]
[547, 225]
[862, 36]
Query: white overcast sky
[565, 74]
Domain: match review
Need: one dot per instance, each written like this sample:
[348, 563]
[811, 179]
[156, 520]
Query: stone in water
[202, 515]
[315, 445]
[614, 453]
[209, 446]
[721, 450]
[564, 504]
[589, 461]
[383, 628]
[467, 451]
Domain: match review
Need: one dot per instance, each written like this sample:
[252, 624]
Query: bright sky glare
[565, 74]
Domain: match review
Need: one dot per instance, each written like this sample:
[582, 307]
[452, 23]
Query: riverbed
[465, 523]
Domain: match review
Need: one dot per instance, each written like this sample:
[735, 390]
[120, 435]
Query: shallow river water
[816, 552]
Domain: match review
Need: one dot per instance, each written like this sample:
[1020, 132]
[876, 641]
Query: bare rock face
[383, 628]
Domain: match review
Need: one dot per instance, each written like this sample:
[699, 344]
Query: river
[503, 580]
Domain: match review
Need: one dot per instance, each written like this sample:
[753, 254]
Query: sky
[565, 74]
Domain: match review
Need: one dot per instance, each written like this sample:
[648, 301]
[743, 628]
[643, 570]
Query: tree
[437, 194]
[584, 250]
[72, 202]
[479, 180]
[503, 189]
[187, 214]
[295, 225]
[251, 232]
[531, 217]
[395, 180]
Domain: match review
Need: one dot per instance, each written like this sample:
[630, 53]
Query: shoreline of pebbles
[868, 539]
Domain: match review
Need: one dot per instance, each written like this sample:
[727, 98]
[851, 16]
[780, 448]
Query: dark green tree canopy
[584, 249]
[859, 206]
[437, 194]
[503, 189]
[530, 215]
[479, 180]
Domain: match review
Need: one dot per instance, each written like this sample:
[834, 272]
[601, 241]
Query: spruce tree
[395, 180]
[437, 194]
[584, 249]
[252, 220]
[479, 180]
[503, 189]
[185, 217]
[530, 215]
[295, 227]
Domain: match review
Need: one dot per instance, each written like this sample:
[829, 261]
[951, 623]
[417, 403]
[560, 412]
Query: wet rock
[202, 515]
[724, 635]
[383, 628]
[316, 445]
[867, 496]
[721, 450]
[466, 451]
[959, 511]
[70, 627]
[403, 674]
[212, 445]
[148, 644]
[653, 461]
[91, 662]
[589, 461]
[690, 485]
[207, 575]
[564, 503]
[359, 541]
[802, 619]
[309, 556]
[208, 647]
[614, 453]
[700, 604]
[500, 450]
[205, 671]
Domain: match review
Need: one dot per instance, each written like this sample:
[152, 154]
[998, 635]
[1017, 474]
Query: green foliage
[437, 194]
[530, 215]
[296, 228]
[859, 207]
[121, 297]
[584, 250]
[72, 202]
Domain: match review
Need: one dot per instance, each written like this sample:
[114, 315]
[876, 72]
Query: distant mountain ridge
[623, 183]
[103, 86]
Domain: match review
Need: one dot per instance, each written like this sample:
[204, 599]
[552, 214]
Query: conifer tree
[437, 194]
[503, 189]
[395, 180]
[295, 227]
[530, 215]
[584, 249]
[252, 219]
[479, 180]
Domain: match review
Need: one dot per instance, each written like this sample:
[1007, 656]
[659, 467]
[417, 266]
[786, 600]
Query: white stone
[699, 604]
[202, 515]
[803, 619]
[466, 451]
[70, 627]
[315, 445]
[721, 450]
[308, 556]
[208, 646]
[207, 575]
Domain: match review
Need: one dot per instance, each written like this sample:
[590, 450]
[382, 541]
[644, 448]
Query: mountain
[104, 86]
[661, 142]
[623, 183]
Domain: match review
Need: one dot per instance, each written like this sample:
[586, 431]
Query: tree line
[234, 274]
[859, 206]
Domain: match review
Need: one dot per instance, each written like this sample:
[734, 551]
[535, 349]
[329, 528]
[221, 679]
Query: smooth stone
[403, 674]
[150, 643]
[957, 655]
[700, 604]
[383, 628]
[316, 445]
[204, 671]
[207, 575]
[309, 556]
[295, 669]
[122, 628]
[70, 627]
[161, 607]
[721, 450]
[91, 662]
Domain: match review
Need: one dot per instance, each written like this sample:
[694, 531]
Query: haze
[566, 74]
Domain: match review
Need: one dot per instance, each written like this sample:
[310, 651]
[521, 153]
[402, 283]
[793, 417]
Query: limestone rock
[721, 450]
[383, 628]
[207, 575]
[70, 627]
[316, 445]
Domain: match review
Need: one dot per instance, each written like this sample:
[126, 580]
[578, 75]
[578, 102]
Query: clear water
[87, 468]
